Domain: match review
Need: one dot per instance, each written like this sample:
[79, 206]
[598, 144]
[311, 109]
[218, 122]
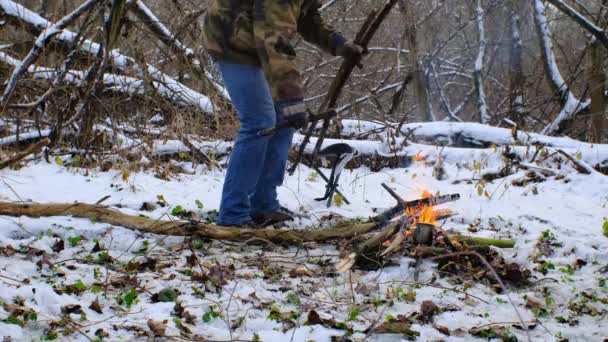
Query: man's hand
[350, 50]
[295, 115]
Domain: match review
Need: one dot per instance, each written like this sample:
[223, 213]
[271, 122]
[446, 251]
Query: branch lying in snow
[42, 41]
[29, 150]
[25, 136]
[570, 104]
[179, 91]
[182, 228]
[466, 134]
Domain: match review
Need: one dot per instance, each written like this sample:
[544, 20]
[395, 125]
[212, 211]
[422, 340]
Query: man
[250, 43]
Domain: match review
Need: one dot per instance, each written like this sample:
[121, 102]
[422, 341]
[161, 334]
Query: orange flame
[425, 213]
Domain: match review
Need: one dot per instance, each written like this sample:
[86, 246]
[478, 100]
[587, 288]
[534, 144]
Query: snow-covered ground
[262, 291]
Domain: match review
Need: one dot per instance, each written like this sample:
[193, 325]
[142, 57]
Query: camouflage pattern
[259, 32]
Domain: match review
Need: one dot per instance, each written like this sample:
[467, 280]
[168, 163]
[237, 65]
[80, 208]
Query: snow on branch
[173, 88]
[43, 39]
[112, 82]
[596, 31]
[570, 104]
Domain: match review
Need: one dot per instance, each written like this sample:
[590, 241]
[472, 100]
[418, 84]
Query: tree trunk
[421, 88]
[598, 132]
[597, 87]
[516, 75]
[482, 105]
[570, 104]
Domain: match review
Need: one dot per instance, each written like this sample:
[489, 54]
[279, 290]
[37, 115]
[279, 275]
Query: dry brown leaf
[95, 306]
[157, 327]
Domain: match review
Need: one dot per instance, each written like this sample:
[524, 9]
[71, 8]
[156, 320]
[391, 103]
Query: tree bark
[482, 105]
[421, 88]
[516, 75]
[597, 86]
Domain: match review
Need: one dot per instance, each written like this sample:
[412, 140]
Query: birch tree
[516, 73]
[482, 105]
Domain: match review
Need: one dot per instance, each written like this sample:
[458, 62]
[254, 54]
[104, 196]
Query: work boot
[281, 215]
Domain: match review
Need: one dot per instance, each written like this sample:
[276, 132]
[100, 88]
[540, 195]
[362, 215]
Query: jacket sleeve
[315, 31]
[275, 23]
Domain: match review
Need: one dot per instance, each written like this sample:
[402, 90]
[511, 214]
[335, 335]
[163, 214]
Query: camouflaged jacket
[259, 32]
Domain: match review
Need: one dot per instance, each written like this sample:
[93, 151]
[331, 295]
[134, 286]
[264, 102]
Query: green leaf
[605, 226]
[96, 288]
[477, 165]
[409, 297]
[51, 336]
[167, 295]
[161, 199]
[338, 200]
[177, 210]
[479, 190]
[128, 298]
[198, 244]
[104, 257]
[78, 285]
[567, 270]
[275, 314]
[353, 313]
[209, 315]
[293, 299]
[75, 240]
[13, 320]
[199, 204]
[58, 161]
[198, 292]
[312, 177]
[177, 321]
[579, 155]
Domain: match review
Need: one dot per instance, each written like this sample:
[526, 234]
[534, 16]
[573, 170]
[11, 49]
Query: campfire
[410, 229]
[423, 214]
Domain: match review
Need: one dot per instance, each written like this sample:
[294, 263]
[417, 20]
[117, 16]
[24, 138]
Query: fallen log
[182, 228]
[33, 148]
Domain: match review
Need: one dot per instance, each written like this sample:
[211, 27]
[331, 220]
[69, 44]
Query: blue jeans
[257, 164]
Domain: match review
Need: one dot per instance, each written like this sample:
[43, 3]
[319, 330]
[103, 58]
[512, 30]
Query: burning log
[417, 211]
[428, 201]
